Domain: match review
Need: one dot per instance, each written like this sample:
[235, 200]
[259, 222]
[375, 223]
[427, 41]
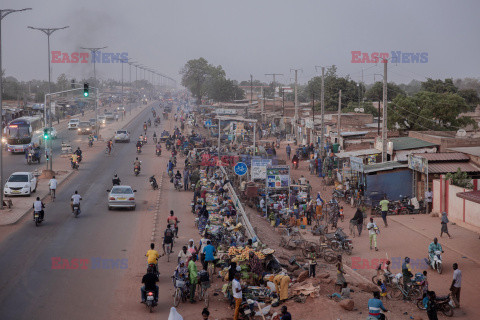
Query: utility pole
[251, 95]
[283, 102]
[339, 124]
[322, 110]
[93, 52]
[48, 32]
[296, 94]
[274, 82]
[384, 129]
[3, 14]
[313, 115]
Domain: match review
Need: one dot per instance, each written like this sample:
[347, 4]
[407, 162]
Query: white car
[122, 136]
[102, 120]
[121, 197]
[73, 123]
[109, 116]
[20, 184]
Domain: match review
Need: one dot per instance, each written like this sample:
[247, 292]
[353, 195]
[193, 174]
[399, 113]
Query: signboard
[240, 168]
[278, 177]
[417, 163]
[356, 164]
[52, 108]
[259, 168]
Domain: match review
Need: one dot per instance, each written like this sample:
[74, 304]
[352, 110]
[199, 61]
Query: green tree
[439, 86]
[62, 82]
[221, 89]
[198, 74]
[375, 93]
[460, 179]
[470, 96]
[428, 110]
[412, 87]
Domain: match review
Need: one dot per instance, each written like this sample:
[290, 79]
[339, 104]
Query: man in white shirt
[76, 200]
[302, 180]
[428, 199]
[237, 294]
[262, 203]
[184, 254]
[53, 186]
[372, 233]
[38, 207]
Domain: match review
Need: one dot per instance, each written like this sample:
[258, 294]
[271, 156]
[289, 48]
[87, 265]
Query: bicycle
[412, 292]
[182, 291]
[202, 289]
[52, 195]
[168, 250]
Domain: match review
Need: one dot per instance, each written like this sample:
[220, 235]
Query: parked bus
[22, 133]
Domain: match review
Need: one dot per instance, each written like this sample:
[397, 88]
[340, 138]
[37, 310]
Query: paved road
[14, 162]
[30, 287]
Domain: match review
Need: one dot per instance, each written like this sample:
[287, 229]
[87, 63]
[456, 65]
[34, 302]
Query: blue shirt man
[375, 306]
[209, 252]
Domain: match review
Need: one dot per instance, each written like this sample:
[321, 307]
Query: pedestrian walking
[456, 285]
[357, 221]
[288, 150]
[372, 233]
[384, 207]
[444, 223]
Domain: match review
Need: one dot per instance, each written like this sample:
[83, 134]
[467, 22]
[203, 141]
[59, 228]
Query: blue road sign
[240, 168]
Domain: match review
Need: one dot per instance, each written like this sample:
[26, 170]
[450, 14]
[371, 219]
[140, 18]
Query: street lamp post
[94, 51]
[3, 14]
[48, 32]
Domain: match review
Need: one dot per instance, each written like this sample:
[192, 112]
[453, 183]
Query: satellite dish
[362, 110]
[356, 109]
[461, 133]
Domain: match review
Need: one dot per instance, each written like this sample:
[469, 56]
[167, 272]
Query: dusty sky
[247, 37]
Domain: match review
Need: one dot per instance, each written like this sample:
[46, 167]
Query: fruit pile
[243, 254]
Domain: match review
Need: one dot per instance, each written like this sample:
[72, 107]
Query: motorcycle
[444, 304]
[79, 158]
[178, 184]
[295, 165]
[436, 263]
[153, 182]
[150, 302]
[139, 149]
[168, 146]
[158, 152]
[90, 143]
[342, 242]
[76, 210]
[136, 170]
[145, 139]
[37, 218]
[174, 161]
[75, 165]
[155, 140]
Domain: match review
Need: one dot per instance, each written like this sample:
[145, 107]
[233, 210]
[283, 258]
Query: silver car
[122, 136]
[121, 197]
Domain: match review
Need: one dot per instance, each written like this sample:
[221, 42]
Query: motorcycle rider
[295, 160]
[154, 137]
[178, 177]
[152, 257]
[153, 181]
[116, 180]
[139, 145]
[145, 127]
[74, 160]
[158, 147]
[170, 167]
[75, 200]
[149, 280]
[137, 163]
[432, 247]
[38, 207]
[90, 140]
[78, 152]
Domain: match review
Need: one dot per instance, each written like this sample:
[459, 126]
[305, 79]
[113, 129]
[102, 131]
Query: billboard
[278, 177]
[259, 168]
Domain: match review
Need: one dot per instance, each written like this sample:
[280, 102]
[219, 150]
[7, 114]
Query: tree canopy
[375, 93]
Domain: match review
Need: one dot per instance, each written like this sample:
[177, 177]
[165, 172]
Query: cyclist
[53, 186]
[168, 239]
[173, 220]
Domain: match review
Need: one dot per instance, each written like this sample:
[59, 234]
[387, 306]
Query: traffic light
[46, 134]
[85, 89]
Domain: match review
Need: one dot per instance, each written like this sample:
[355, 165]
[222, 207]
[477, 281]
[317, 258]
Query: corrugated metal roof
[471, 196]
[407, 143]
[474, 151]
[383, 166]
[356, 153]
[445, 167]
[443, 156]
